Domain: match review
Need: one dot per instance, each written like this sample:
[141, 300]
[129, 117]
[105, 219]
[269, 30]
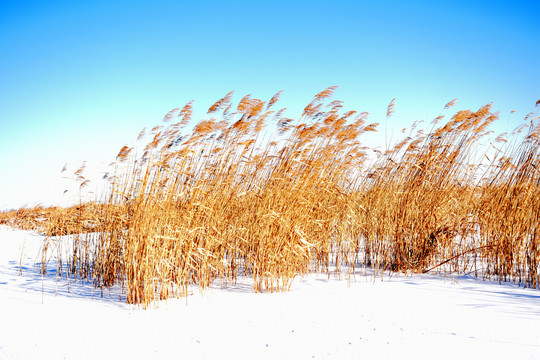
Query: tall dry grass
[251, 192]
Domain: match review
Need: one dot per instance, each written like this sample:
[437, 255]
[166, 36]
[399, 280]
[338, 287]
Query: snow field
[420, 316]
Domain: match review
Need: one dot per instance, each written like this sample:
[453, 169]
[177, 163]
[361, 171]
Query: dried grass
[223, 201]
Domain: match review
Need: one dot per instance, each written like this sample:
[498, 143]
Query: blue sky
[80, 79]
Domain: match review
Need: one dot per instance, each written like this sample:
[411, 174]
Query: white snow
[420, 317]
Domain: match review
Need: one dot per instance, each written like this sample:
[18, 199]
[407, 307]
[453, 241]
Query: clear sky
[79, 79]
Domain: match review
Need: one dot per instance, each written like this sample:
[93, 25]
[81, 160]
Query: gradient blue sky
[79, 79]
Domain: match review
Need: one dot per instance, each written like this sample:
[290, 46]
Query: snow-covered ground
[420, 317]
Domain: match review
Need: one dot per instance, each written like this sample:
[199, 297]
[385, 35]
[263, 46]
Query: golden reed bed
[249, 191]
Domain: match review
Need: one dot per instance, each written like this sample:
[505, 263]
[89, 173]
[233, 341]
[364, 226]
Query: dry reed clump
[24, 218]
[228, 199]
[56, 221]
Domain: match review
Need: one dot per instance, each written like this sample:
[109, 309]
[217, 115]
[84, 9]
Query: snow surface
[420, 317]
